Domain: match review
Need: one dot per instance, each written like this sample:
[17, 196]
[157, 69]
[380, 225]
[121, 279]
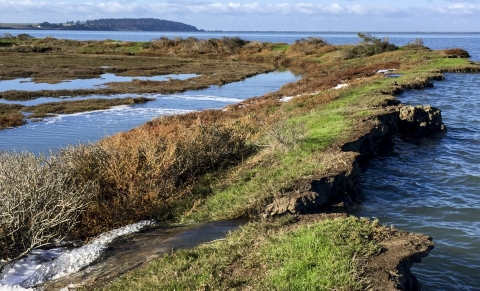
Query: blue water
[432, 40]
[26, 84]
[429, 185]
[60, 131]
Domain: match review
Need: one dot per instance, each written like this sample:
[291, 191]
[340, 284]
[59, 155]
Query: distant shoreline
[249, 31]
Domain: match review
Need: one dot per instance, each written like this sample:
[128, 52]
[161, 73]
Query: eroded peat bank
[288, 161]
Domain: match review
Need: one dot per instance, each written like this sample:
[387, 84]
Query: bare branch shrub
[417, 44]
[280, 134]
[40, 202]
[369, 46]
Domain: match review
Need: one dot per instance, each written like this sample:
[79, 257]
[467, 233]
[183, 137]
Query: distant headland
[111, 24]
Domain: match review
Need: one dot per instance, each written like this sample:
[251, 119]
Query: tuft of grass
[280, 47]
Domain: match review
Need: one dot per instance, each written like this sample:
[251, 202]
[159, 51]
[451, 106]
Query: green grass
[135, 47]
[445, 63]
[318, 257]
[326, 255]
[247, 188]
[281, 47]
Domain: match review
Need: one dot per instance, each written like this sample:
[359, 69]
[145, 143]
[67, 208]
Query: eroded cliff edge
[389, 270]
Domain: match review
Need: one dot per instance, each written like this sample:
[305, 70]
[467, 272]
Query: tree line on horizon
[129, 24]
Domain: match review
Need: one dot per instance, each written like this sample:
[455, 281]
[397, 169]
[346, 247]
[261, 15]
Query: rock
[420, 120]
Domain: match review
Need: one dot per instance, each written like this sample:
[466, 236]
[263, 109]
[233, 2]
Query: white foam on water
[202, 98]
[286, 99]
[13, 275]
[14, 288]
[340, 86]
[72, 261]
[119, 110]
[43, 100]
[43, 265]
[386, 71]
[119, 107]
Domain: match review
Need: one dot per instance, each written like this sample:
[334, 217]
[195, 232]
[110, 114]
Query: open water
[432, 185]
[429, 185]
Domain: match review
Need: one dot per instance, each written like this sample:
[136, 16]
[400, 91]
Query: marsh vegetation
[214, 164]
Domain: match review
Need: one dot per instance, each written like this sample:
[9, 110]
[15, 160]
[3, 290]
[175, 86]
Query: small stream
[134, 250]
[109, 255]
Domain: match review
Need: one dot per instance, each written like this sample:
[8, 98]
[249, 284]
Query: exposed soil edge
[390, 270]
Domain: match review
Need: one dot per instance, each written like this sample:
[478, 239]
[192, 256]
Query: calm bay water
[429, 185]
[432, 40]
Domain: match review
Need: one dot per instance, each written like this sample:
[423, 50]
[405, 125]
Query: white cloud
[121, 9]
[216, 14]
[116, 7]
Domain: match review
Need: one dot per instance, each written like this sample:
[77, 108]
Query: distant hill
[125, 24]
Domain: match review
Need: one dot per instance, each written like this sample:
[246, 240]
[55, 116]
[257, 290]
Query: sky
[263, 15]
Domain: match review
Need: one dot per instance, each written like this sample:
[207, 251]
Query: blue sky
[263, 15]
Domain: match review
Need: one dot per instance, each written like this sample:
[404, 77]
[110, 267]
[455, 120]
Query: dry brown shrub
[149, 172]
[257, 46]
[327, 49]
[455, 53]
[11, 120]
[308, 46]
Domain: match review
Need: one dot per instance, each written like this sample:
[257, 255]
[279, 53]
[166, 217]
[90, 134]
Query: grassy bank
[223, 164]
[276, 255]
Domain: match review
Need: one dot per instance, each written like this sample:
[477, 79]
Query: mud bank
[390, 270]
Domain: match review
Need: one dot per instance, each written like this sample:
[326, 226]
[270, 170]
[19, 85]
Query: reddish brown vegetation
[456, 53]
[10, 116]
[11, 120]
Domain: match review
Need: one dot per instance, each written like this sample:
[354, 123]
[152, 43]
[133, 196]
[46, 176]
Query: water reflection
[60, 131]
[26, 84]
